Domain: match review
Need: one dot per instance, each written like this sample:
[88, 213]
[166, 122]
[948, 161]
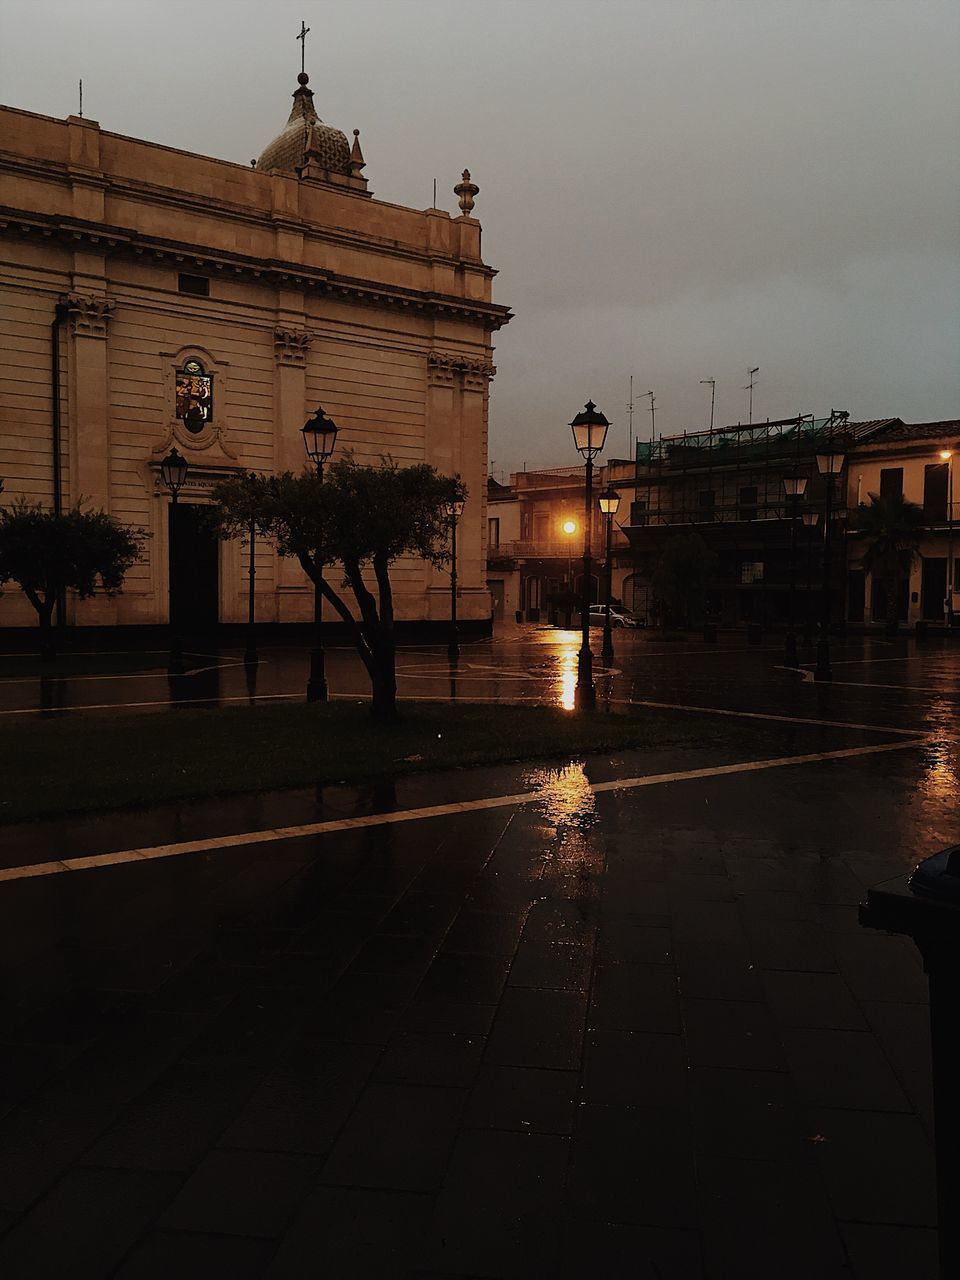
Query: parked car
[619, 617]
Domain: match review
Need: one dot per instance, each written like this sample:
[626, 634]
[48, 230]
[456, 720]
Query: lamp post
[589, 433]
[794, 487]
[250, 655]
[609, 501]
[829, 464]
[454, 512]
[319, 440]
[947, 456]
[173, 473]
[810, 521]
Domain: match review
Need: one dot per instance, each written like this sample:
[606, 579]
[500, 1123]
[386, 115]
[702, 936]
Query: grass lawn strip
[82, 764]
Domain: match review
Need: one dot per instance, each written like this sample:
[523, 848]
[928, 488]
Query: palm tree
[892, 527]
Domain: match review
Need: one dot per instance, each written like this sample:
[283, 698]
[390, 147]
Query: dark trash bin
[926, 907]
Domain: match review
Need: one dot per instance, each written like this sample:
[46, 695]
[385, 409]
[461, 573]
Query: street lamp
[794, 487]
[319, 441]
[589, 432]
[173, 473]
[829, 464]
[947, 456]
[454, 512]
[609, 501]
[810, 521]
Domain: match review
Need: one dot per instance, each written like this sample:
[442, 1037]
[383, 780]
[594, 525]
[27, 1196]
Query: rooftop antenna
[302, 37]
[749, 387]
[81, 99]
[653, 413]
[630, 419]
[434, 193]
[712, 384]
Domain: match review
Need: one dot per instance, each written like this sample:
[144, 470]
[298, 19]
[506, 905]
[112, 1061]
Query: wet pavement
[611, 1017]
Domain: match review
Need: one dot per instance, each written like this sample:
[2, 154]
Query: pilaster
[290, 348]
[88, 317]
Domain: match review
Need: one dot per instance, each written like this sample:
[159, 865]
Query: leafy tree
[892, 528]
[48, 554]
[681, 577]
[362, 518]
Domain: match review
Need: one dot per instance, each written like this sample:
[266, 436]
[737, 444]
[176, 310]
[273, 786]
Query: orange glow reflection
[564, 796]
[567, 675]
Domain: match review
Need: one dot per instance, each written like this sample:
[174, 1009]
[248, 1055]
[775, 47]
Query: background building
[139, 283]
[728, 486]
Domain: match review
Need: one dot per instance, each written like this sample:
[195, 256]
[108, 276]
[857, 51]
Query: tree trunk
[385, 648]
[384, 709]
[48, 648]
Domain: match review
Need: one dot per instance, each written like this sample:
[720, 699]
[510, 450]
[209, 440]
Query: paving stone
[398, 1138]
[437, 1058]
[85, 1225]
[842, 1069]
[466, 978]
[891, 1253]
[903, 1031]
[611, 1251]
[762, 1218]
[877, 1167]
[192, 1256]
[341, 1231]
[253, 1028]
[248, 1193]
[718, 973]
[485, 933]
[634, 1068]
[363, 1008]
[523, 1099]
[428, 1015]
[572, 923]
[880, 967]
[552, 965]
[633, 1165]
[173, 1124]
[730, 1033]
[635, 997]
[751, 1115]
[398, 956]
[422, 914]
[302, 1106]
[623, 939]
[785, 944]
[812, 1000]
[538, 1029]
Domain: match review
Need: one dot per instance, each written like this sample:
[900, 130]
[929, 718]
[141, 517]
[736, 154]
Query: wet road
[614, 1017]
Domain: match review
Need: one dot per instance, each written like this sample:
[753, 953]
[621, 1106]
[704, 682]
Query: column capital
[290, 346]
[88, 314]
[446, 369]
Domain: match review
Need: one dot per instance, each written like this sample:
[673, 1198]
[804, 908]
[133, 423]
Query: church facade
[153, 299]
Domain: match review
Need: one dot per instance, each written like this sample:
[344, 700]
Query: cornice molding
[120, 241]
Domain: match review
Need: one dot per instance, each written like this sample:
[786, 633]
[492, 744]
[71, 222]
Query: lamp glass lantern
[830, 462]
[455, 509]
[609, 501]
[794, 486]
[589, 430]
[319, 437]
[173, 471]
[810, 518]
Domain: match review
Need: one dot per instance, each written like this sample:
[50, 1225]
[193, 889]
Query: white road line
[907, 688]
[131, 675]
[242, 839]
[763, 715]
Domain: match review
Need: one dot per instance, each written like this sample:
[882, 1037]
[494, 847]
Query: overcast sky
[673, 189]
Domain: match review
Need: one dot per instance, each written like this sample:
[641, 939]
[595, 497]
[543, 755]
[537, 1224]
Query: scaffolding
[729, 474]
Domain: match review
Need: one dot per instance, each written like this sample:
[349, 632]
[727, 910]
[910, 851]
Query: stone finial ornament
[356, 155]
[466, 190]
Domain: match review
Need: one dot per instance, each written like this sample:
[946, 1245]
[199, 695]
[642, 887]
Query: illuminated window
[194, 396]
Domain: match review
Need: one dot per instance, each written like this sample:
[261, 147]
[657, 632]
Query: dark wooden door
[194, 568]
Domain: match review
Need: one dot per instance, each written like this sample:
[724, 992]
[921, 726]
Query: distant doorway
[194, 568]
[933, 586]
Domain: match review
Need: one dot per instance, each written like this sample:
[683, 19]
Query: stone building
[151, 298]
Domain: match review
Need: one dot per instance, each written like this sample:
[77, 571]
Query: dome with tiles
[304, 137]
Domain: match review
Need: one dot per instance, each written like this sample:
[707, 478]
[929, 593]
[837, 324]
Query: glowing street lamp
[947, 456]
[319, 441]
[589, 433]
[829, 464]
[454, 512]
[609, 502]
[794, 487]
[173, 473]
